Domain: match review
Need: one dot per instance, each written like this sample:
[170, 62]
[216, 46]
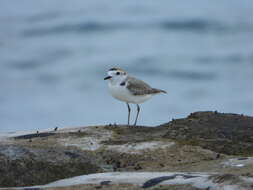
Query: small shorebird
[129, 89]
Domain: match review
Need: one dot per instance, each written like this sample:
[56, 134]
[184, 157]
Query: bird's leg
[138, 110]
[129, 110]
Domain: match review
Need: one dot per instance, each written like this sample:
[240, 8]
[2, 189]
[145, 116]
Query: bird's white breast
[123, 94]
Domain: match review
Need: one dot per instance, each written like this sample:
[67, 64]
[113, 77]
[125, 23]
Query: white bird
[129, 89]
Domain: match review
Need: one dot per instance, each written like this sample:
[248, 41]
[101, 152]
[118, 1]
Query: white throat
[117, 80]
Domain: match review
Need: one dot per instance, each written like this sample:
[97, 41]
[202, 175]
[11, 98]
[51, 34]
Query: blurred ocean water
[55, 54]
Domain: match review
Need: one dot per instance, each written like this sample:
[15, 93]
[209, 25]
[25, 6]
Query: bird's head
[116, 74]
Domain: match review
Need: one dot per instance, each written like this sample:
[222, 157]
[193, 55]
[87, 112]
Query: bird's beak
[108, 77]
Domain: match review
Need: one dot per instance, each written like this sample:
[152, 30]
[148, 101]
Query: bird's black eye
[118, 73]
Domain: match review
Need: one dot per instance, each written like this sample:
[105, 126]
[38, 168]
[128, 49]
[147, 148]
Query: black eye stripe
[118, 73]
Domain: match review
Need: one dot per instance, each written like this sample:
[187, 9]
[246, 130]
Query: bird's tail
[155, 90]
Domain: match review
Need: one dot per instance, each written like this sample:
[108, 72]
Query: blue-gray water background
[55, 54]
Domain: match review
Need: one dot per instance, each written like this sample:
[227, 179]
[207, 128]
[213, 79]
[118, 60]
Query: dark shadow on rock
[105, 182]
[158, 180]
[34, 135]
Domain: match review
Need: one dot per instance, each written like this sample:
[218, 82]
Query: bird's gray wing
[138, 87]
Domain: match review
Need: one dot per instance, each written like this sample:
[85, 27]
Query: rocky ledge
[209, 148]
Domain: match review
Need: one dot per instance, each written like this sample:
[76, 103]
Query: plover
[129, 89]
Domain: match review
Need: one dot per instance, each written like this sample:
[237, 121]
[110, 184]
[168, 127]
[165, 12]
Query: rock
[209, 142]
[26, 166]
[154, 181]
[224, 133]
[125, 187]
